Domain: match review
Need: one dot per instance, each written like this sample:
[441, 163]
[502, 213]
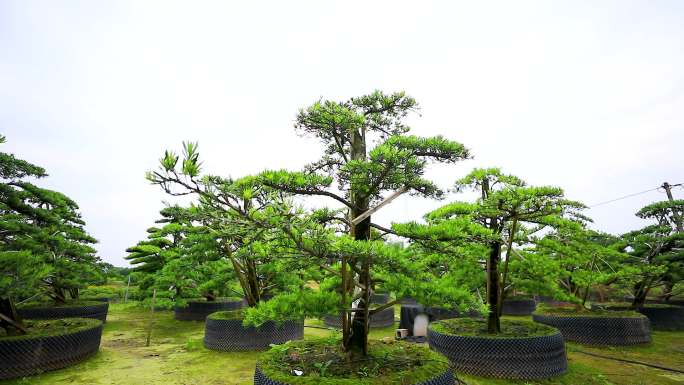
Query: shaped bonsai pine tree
[258, 206]
[228, 210]
[568, 262]
[506, 209]
[656, 251]
[43, 246]
[367, 151]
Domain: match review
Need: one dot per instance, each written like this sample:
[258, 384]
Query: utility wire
[624, 197]
[632, 195]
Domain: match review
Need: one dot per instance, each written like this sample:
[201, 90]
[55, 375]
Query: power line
[632, 195]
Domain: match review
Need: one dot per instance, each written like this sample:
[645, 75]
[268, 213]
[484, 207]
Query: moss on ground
[572, 311]
[321, 361]
[49, 328]
[227, 315]
[473, 327]
[217, 300]
[72, 303]
[177, 357]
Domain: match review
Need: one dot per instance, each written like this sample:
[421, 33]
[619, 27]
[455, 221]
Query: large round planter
[199, 310]
[661, 317]
[28, 355]
[510, 358]
[524, 306]
[383, 319]
[229, 335]
[599, 330]
[93, 309]
[446, 378]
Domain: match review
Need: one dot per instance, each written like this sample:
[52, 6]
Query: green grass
[178, 357]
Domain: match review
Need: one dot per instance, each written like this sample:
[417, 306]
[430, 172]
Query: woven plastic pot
[383, 319]
[510, 358]
[199, 310]
[33, 355]
[599, 330]
[229, 335]
[380, 298]
[519, 306]
[94, 309]
[446, 378]
[661, 317]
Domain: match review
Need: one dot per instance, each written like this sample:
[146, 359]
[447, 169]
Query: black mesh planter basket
[96, 310]
[670, 318]
[28, 356]
[229, 335]
[510, 358]
[383, 319]
[523, 306]
[199, 310]
[446, 378]
[599, 330]
[380, 298]
[664, 318]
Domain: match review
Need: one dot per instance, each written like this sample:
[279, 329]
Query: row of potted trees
[252, 238]
[46, 258]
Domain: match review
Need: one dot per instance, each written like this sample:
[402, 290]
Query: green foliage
[656, 252]
[276, 247]
[568, 262]
[507, 213]
[43, 243]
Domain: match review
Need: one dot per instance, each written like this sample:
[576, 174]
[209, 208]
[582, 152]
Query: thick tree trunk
[640, 293]
[59, 296]
[493, 323]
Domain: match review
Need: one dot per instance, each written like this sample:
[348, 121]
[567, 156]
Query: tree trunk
[640, 294]
[493, 323]
[361, 231]
[13, 324]
[209, 296]
[359, 325]
[59, 296]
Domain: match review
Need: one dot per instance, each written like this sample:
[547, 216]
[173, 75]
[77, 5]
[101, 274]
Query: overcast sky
[588, 96]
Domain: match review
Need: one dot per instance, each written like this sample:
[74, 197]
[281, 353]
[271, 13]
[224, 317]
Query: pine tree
[363, 174]
[43, 243]
[656, 251]
[506, 210]
[347, 130]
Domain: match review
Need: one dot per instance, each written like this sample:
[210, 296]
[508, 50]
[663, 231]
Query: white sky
[588, 96]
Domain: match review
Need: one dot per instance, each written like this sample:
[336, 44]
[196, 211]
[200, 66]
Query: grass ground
[177, 356]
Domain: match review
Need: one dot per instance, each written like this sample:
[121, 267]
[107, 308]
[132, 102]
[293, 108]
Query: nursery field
[176, 356]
